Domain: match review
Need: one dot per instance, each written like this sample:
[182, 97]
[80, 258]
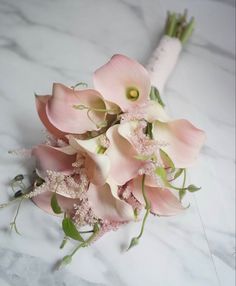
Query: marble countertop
[48, 41]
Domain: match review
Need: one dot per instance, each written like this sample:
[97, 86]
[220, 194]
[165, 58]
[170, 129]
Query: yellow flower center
[132, 93]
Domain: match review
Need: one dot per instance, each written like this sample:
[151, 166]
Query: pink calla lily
[163, 201]
[60, 116]
[107, 205]
[97, 166]
[122, 154]
[180, 139]
[63, 115]
[41, 102]
[50, 158]
[123, 81]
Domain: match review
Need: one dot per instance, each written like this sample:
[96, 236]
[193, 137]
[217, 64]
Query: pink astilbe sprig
[141, 141]
[125, 192]
[83, 214]
[132, 115]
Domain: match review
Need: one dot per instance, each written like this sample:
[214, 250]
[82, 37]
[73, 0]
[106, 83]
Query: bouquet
[112, 154]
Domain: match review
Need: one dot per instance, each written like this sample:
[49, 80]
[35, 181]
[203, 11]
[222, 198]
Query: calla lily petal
[163, 201]
[108, 206]
[120, 74]
[124, 166]
[53, 159]
[126, 130]
[41, 102]
[181, 141]
[154, 111]
[97, 166]
[62, 113]
[43, 201]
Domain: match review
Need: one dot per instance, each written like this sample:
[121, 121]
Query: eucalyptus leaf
[70, 229]
[155, 96]
[54, 204]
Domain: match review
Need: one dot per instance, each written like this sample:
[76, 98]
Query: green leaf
[193, 188]
[166, 159]
[178, 173]
[54, 204]
[70, 229]
[155, 96]
[149, 130]
[134, 242]
[182, 193]
[161, 172]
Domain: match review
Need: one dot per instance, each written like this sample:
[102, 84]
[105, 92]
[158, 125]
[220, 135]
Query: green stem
[178, 27]
[64, 241]
[25, 196]
[84, 244]
[187, 31]
[184, 179]
[80, 84]
[13, 223]
[183, 191]
[172, 25]
[143, 192]
[82, 107]
[68, 258]
[135, 240]
[147, 207]
[143, 223]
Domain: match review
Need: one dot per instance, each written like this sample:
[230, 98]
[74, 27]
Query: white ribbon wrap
[163, 61]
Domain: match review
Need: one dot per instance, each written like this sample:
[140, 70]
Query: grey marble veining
[20, 269]
[48, 41]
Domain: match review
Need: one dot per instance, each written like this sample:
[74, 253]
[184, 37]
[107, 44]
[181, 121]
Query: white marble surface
[64, 41]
